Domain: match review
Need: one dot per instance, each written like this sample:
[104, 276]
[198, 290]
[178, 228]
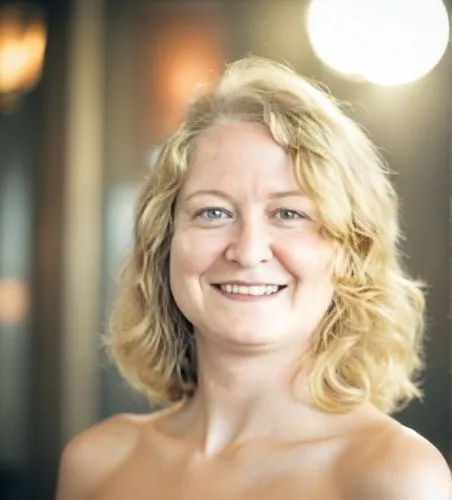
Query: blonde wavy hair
[368, 346]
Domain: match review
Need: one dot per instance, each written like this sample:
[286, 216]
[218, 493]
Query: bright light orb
[387, 42]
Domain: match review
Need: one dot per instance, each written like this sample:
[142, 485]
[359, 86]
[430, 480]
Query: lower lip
[247, 298]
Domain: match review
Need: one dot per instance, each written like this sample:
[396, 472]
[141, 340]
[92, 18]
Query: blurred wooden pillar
[68, 235]
[83, 219]
[45, 411]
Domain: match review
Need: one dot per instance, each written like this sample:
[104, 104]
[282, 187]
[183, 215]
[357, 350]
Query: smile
[251, 290]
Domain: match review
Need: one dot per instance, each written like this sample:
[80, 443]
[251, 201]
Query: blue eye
[211, 213]
[287, 214]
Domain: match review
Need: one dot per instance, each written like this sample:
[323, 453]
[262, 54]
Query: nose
[250, 244]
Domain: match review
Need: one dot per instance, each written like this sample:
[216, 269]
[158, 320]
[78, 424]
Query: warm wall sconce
[186, 54]
[23, 37]
[14, 300]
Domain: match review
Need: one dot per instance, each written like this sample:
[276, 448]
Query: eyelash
[202, 211]
[299, 215]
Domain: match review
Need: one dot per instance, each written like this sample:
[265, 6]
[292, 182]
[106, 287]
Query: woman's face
[248, 265]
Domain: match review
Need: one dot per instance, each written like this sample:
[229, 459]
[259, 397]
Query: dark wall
[32, 140]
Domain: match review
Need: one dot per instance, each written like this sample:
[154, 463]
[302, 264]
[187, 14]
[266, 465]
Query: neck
[246, 396]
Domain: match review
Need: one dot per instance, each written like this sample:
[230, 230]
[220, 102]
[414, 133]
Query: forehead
[239, 156]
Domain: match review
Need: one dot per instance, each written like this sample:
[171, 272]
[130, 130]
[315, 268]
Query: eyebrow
[222, 194]
[287, 194]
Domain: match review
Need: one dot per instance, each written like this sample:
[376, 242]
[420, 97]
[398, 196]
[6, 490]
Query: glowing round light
[387, 42]
[22, 46]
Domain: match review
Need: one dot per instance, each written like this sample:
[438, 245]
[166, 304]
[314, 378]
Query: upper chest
[284, 475]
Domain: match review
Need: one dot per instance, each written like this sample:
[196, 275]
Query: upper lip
[249, 283]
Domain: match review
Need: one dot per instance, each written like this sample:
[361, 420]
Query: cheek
[307, 258]
[182, 262]
[190, 258]
[182, 267]
[191, 254]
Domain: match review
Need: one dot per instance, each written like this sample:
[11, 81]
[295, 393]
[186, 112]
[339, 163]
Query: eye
[287, 214]
[212, 213]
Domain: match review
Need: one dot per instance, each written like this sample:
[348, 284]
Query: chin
[257, 336]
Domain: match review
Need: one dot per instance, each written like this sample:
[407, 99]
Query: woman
[264, 304]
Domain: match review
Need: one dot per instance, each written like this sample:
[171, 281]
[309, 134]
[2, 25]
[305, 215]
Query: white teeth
[250, 290]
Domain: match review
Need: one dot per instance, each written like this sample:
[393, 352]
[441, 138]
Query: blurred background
[88, 90]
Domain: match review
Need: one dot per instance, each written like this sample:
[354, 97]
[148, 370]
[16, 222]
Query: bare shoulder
[93, 455]
[399, 464]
